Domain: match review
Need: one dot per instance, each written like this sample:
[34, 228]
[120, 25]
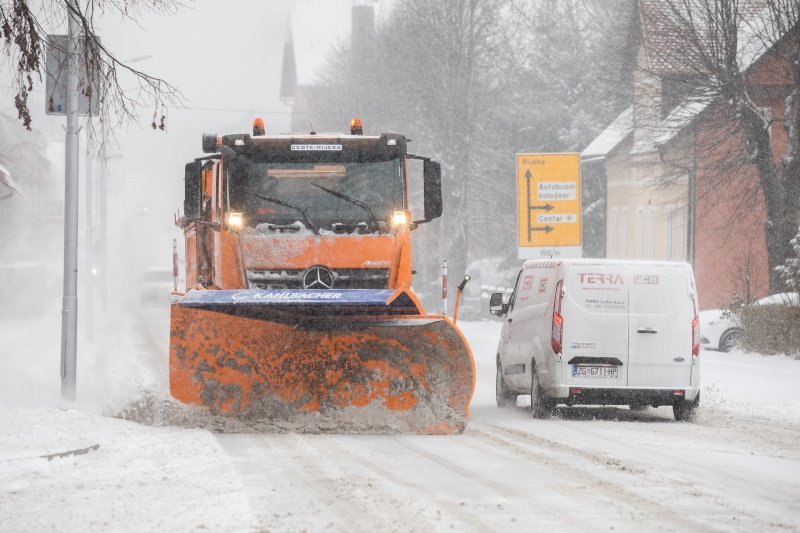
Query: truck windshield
[378, 184]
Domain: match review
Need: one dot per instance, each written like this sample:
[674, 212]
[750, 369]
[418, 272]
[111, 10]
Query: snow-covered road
[736, 468]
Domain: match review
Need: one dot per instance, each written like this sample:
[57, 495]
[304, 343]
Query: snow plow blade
[347, 361]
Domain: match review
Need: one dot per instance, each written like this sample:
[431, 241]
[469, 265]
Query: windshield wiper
[373, 221]
[306, 220]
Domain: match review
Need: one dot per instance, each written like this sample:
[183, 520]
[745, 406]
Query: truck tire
[503, 396]
[685, 411]
[541, 405]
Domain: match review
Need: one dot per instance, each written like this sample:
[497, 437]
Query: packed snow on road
[127, 458]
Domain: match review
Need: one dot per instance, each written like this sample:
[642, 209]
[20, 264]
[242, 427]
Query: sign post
[69, 309]
[549, 206]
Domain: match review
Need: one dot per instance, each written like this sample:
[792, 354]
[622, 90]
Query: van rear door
[661, 313]
[595, 332]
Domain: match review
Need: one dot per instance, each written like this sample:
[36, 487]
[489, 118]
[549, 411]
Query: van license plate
[595, 372]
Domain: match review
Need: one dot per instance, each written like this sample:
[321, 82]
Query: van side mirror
[192, 196]
[432, 179]
[496, 305]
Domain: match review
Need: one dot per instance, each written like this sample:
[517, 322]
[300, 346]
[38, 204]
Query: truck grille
[343, 278]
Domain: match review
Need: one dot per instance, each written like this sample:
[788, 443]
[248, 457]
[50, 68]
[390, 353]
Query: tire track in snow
[657, 450]
[659, 473]
[405, 477]
[518, 498]
[731, 485]
[595, 473]
[314, 488]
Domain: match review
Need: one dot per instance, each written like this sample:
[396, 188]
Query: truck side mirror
[432, 178]
[496, 305]
[192, 195]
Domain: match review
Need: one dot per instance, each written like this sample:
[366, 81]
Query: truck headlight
[235, 219]
[399, 218]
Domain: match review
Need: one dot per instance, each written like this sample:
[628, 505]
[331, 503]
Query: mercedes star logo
[318, 277]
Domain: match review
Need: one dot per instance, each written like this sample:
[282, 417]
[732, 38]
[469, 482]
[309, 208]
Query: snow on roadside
[739, 384]
[77, 470]
[70, 471]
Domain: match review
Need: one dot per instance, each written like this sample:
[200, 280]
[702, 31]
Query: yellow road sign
[549, 205]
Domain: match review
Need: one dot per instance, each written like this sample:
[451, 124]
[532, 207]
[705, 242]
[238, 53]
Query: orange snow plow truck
[300, 309]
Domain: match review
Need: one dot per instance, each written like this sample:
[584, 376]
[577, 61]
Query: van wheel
[502, 395]
[685, 411]
[541, 405]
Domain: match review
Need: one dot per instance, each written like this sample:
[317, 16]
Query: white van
[600, 332]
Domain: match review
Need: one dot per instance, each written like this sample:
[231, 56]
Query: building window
[651, 226]
[640, 235]
[612, 231]
[682, 229]
[668, 240]
[623, 242]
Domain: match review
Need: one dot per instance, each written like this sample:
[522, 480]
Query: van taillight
[558, 321]
[696, 336]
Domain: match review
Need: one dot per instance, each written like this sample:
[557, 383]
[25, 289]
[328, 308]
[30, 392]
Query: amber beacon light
[355, 127]
[258, 127]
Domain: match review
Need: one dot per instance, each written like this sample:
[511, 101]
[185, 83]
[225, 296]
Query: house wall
[732, 255]
[647, 215]
[731, 251]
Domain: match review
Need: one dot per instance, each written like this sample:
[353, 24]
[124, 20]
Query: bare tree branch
[22, 34]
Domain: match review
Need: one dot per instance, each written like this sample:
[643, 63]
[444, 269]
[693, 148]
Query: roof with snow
[669, 54]
[673, 124]
[669, 28]
[614, 134]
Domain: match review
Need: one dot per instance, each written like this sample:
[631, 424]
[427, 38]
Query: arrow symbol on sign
[528, 174]
[546, 229]
[546, 207]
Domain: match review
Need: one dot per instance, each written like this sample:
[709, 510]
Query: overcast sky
[224, 57]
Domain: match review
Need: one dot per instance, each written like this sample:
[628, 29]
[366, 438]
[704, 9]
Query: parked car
[721, 331]
[156, 285]
[600, 332]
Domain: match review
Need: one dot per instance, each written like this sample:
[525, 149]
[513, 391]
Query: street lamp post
[69, 310]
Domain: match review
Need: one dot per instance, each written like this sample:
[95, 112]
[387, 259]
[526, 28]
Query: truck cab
[303, 211]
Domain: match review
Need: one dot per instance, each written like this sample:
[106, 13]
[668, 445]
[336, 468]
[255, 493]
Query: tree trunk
[780, 225]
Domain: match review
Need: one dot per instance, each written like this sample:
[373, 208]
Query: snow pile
[736, 385]
[70, 471]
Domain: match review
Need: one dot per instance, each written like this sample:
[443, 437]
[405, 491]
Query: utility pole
[69, 309]
[89, 246]
[102, 224]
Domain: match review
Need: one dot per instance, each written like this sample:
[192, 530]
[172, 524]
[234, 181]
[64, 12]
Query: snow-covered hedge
[790, 270]
[774, 327]
[770, 329]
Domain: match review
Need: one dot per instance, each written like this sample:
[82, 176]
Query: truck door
[206, 236]
[594, 310]
[661, 313]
